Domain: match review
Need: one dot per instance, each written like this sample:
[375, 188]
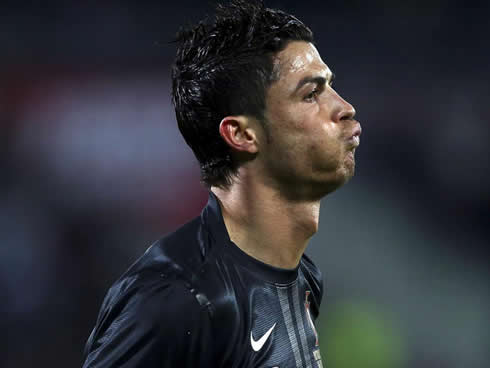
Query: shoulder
[158, 295]
[165, 276]
[313, 277]
[174, 252]
[310, 270]
[149, 297]
[156, 309]
[148, 314]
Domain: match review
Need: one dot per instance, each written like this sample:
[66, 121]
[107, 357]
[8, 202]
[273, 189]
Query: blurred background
[93, 170]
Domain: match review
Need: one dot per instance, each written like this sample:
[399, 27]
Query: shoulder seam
[201, 299]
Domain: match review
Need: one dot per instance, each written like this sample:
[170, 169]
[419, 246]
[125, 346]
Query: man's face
[313, 134]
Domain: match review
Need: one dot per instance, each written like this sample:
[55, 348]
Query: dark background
[93, 169]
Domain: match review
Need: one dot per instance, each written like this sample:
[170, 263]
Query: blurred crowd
[93, 170]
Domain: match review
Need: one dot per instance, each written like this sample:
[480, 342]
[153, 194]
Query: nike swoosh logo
[257, 345]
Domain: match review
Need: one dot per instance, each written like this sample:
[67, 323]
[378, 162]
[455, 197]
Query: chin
[349, 173]
[342, 177]
[348, 169]
[323, 188]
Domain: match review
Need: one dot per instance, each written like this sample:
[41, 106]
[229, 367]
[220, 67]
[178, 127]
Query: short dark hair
[224, 67]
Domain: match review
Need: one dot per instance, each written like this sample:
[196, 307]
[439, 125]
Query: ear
[239, 133]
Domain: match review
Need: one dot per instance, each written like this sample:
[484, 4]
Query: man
[232, 288]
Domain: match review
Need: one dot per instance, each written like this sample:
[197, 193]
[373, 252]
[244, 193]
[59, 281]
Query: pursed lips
[354, 137]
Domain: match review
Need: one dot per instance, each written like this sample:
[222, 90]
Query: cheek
[288, 146]
[331, 135]
[322, 134]
[325, 149]
[288, 127]
[303, 134]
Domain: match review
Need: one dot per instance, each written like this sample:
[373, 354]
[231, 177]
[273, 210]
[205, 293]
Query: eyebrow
[316, 80]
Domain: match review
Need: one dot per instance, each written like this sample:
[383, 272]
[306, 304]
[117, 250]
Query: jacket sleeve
[159, 325]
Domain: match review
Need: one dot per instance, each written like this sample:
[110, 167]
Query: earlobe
[238, 134]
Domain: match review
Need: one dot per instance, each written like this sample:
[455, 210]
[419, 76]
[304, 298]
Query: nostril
[348, 114]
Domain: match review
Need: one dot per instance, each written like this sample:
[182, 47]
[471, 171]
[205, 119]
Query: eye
[310, 97]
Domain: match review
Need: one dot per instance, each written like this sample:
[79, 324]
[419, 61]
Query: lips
[357, 130]
[354, 141]
[354, 138]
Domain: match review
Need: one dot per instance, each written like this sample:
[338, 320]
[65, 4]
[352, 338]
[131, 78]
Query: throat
[273, 234]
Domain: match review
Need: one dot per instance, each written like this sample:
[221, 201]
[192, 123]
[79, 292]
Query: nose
[345, 110]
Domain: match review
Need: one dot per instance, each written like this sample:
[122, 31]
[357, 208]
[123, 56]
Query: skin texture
[272, 208]
[310, 127]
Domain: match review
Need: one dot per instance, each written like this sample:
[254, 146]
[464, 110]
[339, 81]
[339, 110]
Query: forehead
[299, 59]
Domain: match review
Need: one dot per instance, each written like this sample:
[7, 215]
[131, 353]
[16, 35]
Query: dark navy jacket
[194, 299]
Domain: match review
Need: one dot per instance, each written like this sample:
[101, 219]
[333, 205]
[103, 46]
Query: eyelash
[313, 94]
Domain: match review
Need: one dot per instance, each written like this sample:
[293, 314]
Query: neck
[266, 225]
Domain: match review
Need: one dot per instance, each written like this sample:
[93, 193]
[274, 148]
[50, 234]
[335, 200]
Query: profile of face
[312, 134]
